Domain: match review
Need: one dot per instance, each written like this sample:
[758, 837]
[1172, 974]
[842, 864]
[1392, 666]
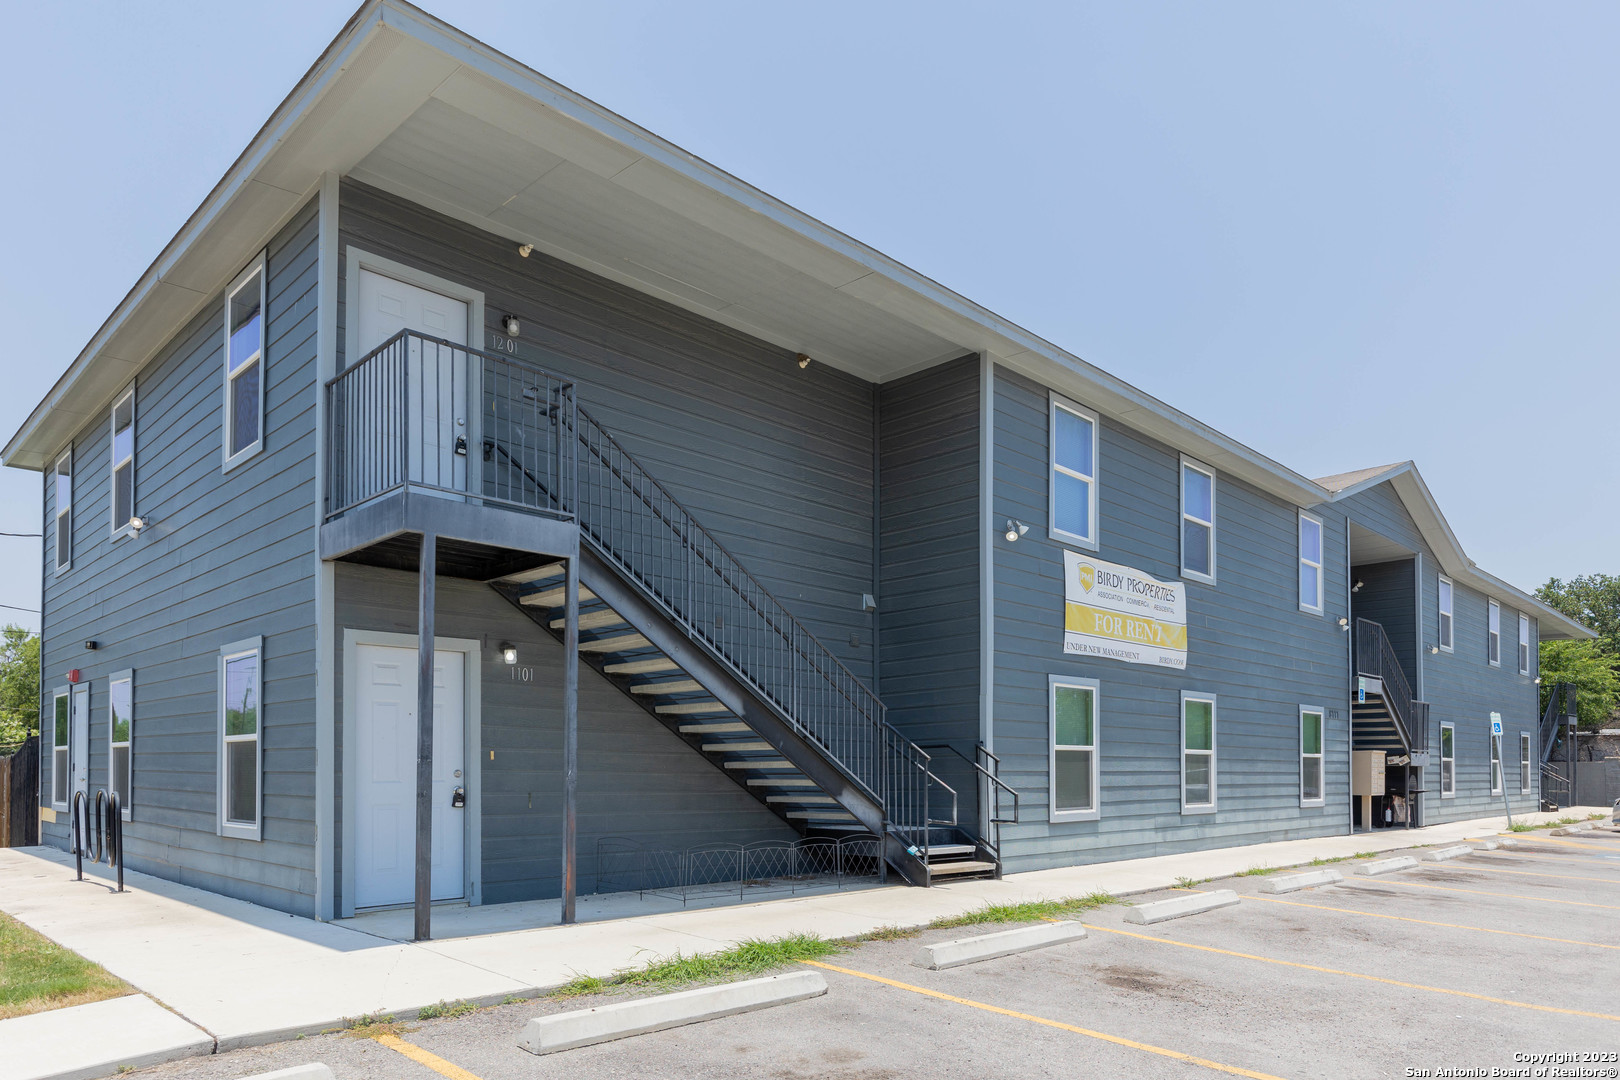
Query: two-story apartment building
[477, 477]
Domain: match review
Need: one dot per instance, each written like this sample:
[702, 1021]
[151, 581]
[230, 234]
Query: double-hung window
[60, 776]
[1448, 760]
[1310, 757]
[1493, 635]
[1310, 563]
[121, 735]
[1197, 521]
[64, 510]
[1445, 606]
[1074, 474]
[1524, 644]
[1496, 764]
[1524, 763]
[241, 723]
[1197, 753]
[123, 462]
[244, 364]
[1074, 748]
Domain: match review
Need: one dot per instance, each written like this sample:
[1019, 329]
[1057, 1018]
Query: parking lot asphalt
[1472, 963]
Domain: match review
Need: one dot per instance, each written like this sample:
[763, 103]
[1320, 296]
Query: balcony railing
[400, 419]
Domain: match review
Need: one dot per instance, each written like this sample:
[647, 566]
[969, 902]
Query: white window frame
[1053, 468]
[1493, 633]
[63, 747]
[253, 646]
[1181, 522]
[1446, 617]
[125, 676]
[1498, 762]
[259, 266]
[1525, 744]
[120, 528]
[1445, 791]
[1214, 746]
[1053, 684]
[1320, 755]
[56, 494]
[1321, 553]
[1524, 644]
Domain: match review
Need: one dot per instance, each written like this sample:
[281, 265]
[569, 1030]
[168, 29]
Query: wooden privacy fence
[19, 787]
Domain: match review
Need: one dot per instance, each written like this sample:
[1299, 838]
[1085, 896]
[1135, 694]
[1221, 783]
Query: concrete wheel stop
[1442, 854]
[1311, 879]
[1387, 866]
[1178, 906]
[972, 950]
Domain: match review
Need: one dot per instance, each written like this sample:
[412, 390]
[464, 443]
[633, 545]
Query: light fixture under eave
[1015, 529]
[804, 360]
[509, 653]
[1357, 586]
[525, 250]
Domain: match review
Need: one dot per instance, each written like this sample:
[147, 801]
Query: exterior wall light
[1344, 624]
[511, 325]
[1434, 650]
[1357, 586]
[509, 653]
[804, 360]
[1538, 680]
[1015, 529]
[525, 250]
[136, 525]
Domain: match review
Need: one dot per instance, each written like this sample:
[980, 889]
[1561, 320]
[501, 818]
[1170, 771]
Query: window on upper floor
[244, 365]
[1197, 521]
[123, 462]
[1493, 635]
[1447, 626]
[241, 719]
[121, 736]
[1073, 494]
[1524, 644]
[1073, 748]
[64, 510]
[1310, 563]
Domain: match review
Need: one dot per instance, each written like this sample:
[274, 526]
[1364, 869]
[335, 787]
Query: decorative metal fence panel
[758, 870]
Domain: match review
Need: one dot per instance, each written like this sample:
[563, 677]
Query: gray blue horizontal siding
[227, 556]
[636, 778]
[774, 460]
[1249, 644]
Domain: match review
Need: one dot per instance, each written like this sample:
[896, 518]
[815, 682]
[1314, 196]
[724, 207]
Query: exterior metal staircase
[1384, 714]
[1557, 721]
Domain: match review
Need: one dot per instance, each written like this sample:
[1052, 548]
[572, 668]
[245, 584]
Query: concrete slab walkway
[248, 975]
[93, 1040]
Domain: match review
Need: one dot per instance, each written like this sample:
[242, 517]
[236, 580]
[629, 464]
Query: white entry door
[384, 715]
[436, 376]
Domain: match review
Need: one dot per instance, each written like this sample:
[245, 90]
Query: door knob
[458, 798]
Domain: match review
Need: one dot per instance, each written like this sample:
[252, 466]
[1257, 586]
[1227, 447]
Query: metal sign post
[1501, 765]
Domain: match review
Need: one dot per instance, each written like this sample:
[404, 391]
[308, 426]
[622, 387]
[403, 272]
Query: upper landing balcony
[427, 436]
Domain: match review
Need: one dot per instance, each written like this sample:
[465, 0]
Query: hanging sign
[1361, 690]
[1496, 725]
[1117, 613]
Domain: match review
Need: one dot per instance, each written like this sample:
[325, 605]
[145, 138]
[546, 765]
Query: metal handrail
[1376, 658]
[398, 418]
[638, 526]
[1552, 720]
[994, 786]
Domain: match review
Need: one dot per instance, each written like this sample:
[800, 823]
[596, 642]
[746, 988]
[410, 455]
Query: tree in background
[1593, 666]
[19, 685]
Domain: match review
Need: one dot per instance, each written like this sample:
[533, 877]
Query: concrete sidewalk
[248, 975]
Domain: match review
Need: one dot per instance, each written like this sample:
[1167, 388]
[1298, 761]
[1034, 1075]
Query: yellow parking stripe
[424, 1057]
[1555, 840]
[1354, 974]
[1426, 922]
[1521, 873]
[1481, 892]
[1518, 854]
[1115, 1039]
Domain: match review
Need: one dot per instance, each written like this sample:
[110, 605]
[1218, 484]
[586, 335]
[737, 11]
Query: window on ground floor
[1524, 763]
[1074, 748]
[1496, 764]
[1448, 760]
[241, 752]
[59, 749]
[1197, 753]
[120, 736]
[1310, 756]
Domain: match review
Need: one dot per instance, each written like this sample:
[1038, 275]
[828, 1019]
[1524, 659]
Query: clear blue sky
[1345, 234]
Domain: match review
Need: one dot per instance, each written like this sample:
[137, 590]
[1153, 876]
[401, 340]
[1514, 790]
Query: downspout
[326, 824]
[987, 579]
[877, 543]
[1349, 697]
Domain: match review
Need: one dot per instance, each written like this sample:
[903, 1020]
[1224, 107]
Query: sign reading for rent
[1118, 613]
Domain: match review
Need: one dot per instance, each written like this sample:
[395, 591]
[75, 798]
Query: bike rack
[106, 833]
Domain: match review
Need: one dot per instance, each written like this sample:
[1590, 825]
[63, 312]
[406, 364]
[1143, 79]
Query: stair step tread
[950, 849]
[539, 573]
[724, 728]
[821, 815]
[781, 781]
[554, 597]
[593, 620]
[761, 763]
[689, 708]
[805, 799]
[620, 643]
[668, 686]
[649, 666]
[736, 746]
[971, 866]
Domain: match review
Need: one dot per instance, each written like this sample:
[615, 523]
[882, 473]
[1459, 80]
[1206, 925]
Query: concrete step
[668, 686]
[736, 747]
[617, 643]
[593, 620]
[650, 666]
[691, 708]
[966, 866]
[725, 727]
[554, 597]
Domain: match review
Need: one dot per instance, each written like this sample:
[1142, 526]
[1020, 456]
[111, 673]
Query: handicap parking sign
[1496, 724]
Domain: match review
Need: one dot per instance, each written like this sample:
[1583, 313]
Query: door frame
[357, 259]
[471, 737]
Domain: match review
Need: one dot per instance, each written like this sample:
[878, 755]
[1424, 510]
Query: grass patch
[446, 1008]
[1257, 871]
[36, 974]
[513, 999]
[1330, 862]
[371, 1025]
[752, 957]
[1366, 855]
[1191, 883]
[1522, 826]
[1028, 911]
[887, 933]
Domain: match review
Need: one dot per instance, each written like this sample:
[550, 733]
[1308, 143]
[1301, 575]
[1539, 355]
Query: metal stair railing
[1376, 658]
[1553, 720]
[635, 524]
